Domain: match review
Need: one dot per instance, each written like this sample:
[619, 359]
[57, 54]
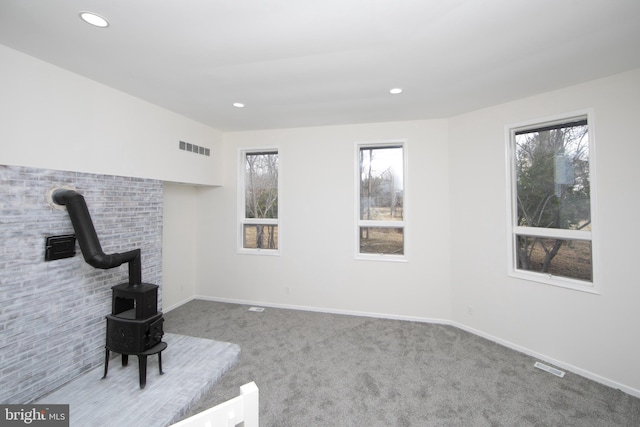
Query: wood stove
[134, 326]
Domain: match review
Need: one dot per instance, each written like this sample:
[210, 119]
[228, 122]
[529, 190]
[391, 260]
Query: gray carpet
[316, 369]
[191, 366]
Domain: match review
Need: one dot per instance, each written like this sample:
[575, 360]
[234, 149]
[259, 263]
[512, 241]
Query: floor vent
[256, 309]
[554, 371]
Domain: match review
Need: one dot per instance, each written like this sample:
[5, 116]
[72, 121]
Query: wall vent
[193, 148]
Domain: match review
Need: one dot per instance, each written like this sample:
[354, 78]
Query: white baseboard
[560, 364]
[566, 366]
[183, 302]
[327, 310]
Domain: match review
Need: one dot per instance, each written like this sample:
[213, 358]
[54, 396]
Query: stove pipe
[88, 239]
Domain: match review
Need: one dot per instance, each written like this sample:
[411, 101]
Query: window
[381, 201]
[551, 202]
[259, 201]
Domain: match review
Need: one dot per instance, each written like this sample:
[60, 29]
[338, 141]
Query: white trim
[326, 310]
[550, 279]
[257, 221]
[260, 251]
[553, 232]
[381, 257]
[371, 223]
[178, 304]
[243, 409]
[593, 182]
[404, 224]
[512, 230]
[553, 119]
[240, 207]
[566, 366]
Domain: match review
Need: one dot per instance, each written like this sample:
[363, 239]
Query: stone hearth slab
[191, 366]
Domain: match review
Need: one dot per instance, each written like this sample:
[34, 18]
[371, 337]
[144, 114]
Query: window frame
[513, 230]
[381, 224]
[241, 208]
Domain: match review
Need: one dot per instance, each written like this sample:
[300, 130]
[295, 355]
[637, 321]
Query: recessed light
[238, 104]
[395, 91]
[93, 19]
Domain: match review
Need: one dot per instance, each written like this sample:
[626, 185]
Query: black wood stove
[134, 326]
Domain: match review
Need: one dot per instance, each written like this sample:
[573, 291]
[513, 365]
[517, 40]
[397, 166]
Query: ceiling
[297, 63]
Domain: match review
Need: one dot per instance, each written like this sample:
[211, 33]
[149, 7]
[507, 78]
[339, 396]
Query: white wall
[457, 232]
[179, 237]
[51, 118]
[457, 254]
[316, 267]
[595, 334]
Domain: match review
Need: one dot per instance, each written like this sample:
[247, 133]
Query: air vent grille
[550, 369]
[193, 148]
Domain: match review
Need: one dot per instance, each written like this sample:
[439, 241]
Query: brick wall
[52, 326]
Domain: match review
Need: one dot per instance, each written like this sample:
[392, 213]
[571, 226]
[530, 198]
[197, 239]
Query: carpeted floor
[191, 366]
[316, 369]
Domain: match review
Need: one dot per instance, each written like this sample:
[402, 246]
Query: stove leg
[142, 367]
[125, 359]
[106, 364]
[160, 362]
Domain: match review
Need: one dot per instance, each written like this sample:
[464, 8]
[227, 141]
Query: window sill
[260, 252]
[562, 282]
[381, 257]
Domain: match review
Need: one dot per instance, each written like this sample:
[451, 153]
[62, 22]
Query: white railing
[241, 409]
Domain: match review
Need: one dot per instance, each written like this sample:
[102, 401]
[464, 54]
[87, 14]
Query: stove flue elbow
[88, 238]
